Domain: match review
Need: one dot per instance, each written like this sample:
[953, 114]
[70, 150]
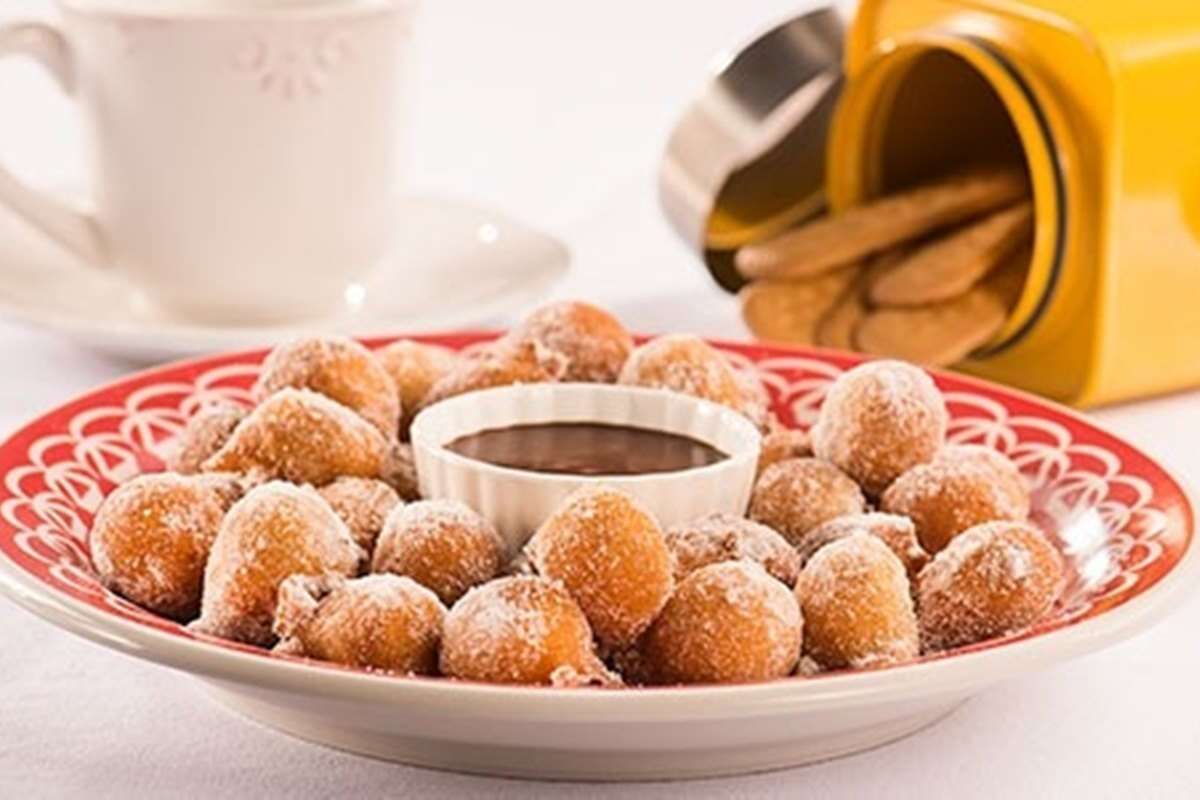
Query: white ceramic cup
[244, 155]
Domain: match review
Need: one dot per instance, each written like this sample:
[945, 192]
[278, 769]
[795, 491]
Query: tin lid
[747, 157]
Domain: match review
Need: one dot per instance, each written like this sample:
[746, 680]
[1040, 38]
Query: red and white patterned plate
[1124, 523]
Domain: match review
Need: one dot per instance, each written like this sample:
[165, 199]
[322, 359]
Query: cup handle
[73, 230]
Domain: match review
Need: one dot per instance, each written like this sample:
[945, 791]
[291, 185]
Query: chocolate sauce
[586, 448]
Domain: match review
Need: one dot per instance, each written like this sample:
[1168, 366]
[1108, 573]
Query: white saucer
[479, 265]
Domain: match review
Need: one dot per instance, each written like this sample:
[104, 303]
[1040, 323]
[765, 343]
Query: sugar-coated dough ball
[380, 622]
[205, 433]
[400, 471]
[151, 538]
[897, 532]
[503, 363]
[594, 343]
[303, 437]
[689, 365]
[277, 530]
[339, 368]
[858, 609]
[522, 629]
[729, 622]
[441, 544]
[797, 495]
[963, 486]
[415, 367]
[364, 505]
[994, 579]
[726, 537]
[879, 420]
[612, 556]
[782, 445]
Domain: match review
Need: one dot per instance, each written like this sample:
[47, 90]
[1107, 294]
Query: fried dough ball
[797, 495]
[746, 394]
[205, 433]
[415, 367]
[963, 486]
[441, 544]
[339, 368]
[782, 445]
[303, 437]
[688, 365]
[503, 363]
[381, 622]
[364, 505]
[897, 532]
[858, 610]
[726, 623]
[726, 537]
[992, 580]
[522, 629]
[612, 556]
[400, 472]
[594, 342]
[275, 531]
[150, 540]
[879, 420]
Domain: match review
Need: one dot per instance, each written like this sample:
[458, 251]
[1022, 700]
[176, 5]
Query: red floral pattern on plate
[1121, 520]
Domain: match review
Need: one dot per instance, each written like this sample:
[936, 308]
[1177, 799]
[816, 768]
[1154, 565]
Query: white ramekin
[517, 501]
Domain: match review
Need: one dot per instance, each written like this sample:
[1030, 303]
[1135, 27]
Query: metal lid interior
[747, 157]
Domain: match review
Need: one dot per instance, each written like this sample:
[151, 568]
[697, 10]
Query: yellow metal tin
[1099, 100]
[1102, 105]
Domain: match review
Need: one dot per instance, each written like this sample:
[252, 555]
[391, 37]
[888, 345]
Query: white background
[557, 111]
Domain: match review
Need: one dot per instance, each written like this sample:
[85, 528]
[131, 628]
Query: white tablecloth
[557, 111]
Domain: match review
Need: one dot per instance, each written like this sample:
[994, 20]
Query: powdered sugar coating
[502, 363]
[879, 420]
[205, 433]
[414, 367]
[991, 580]
[339, 368]
[611, 555]
[963, 486]
[726, 537]
[379, 622]
[522, 629]
[364, 505]
[275, 531]
[858, 608]
[689, 365]
[897, 532]
[797, 495]
[594, 342]
[441, 544]
[782, 445]
[729, 622]
[151, 538]
[304, 437]
[400, 471]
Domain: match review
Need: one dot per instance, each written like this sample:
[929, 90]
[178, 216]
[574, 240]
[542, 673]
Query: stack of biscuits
[929, 274]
